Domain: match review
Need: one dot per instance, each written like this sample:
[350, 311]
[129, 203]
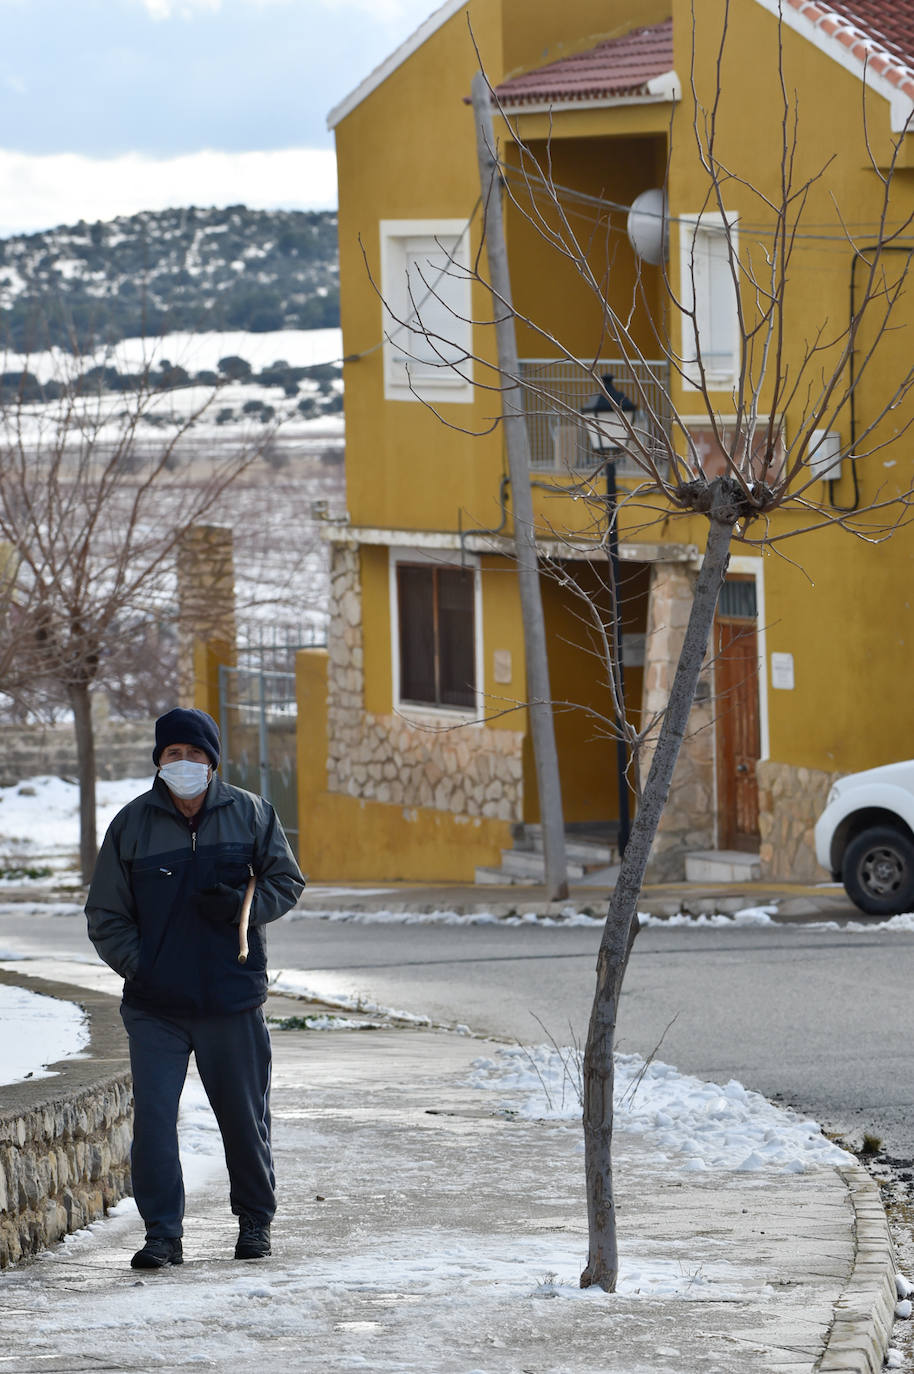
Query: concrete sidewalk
[423, 1230]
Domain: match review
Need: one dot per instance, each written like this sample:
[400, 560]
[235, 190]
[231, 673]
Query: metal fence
[258, 721]
[555, 389]
[272, 648]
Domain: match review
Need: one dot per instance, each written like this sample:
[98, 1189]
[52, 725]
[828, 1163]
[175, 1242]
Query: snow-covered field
[167, 412]
[39, 822]
[194, 352]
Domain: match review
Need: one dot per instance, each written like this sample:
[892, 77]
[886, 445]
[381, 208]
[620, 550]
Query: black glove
[221, 903]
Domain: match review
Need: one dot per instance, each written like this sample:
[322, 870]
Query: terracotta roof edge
[854, 49]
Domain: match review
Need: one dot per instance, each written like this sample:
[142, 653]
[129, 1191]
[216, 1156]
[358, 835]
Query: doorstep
[722, 866]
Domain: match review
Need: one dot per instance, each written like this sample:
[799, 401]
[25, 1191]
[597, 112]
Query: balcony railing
[559, 442]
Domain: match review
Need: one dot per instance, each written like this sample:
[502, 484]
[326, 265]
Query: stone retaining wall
[65, 1141]
[123, 750]
[790, 802]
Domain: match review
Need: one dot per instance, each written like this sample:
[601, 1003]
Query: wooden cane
[243, 922]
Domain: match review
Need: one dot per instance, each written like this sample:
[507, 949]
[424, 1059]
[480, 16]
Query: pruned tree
[96, 494]
[765, 485]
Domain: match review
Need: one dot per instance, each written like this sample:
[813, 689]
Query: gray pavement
[421, 1229]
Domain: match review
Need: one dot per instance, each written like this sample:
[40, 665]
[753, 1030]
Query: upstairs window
[426, 295]
[707, 246]
[437, 631]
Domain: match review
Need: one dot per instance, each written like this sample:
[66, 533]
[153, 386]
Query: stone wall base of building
[791, 800]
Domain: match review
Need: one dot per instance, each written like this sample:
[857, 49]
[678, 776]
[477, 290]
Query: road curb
[862, 1324]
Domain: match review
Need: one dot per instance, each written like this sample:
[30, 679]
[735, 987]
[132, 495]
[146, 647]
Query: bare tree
[785, 362]
[96, 493]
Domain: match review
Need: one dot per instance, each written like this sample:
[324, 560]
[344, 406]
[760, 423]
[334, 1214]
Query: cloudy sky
[112, 106]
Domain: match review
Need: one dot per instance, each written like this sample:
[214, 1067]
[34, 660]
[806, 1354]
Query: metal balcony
[554, 391]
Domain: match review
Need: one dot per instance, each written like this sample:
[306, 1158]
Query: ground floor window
[437, 635]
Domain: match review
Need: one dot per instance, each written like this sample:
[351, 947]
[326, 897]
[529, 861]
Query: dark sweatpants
[233, 1060]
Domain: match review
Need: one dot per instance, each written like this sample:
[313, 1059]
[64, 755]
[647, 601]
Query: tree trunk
[621, 922]
[81, 703]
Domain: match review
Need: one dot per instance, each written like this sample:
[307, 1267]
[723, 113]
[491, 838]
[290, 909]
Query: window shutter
[455, 638]
[417, 633]
[426, 308]
[720, 339]
[707, 280]
[436, 609]
[434, 305]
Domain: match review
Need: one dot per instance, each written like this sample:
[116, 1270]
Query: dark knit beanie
[187, 726]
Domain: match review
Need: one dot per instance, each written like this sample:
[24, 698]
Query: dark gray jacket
[141, 910]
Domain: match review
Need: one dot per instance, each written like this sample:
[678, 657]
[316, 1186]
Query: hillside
[88, 285]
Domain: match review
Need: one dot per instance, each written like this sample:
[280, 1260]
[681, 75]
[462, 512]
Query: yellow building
[415, 758]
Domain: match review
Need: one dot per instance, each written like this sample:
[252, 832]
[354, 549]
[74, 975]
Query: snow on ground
[298, 984]
[696, 1125]
[36, 1031]
[750, 916]
[194, 352]
[39, 819]
[570, 916]
[199, 352]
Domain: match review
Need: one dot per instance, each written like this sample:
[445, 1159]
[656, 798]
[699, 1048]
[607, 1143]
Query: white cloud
[40, 192]
[184, 9]
[381, 11]
[387, 11]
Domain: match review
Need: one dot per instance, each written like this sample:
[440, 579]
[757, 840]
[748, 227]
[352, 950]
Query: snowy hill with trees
[84, 286]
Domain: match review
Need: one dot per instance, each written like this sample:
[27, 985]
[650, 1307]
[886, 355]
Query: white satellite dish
[647, 226]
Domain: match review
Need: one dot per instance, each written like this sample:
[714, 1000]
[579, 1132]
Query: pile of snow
[698, 1126]
[747, 916]
[569, 916]
[36, 1031]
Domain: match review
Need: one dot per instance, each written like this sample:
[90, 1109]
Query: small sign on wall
[782, 672]
[501, 665]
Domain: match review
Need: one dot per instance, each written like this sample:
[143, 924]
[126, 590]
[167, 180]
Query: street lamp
[609, 434]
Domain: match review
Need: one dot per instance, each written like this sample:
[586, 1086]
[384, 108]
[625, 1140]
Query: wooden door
[736, 670]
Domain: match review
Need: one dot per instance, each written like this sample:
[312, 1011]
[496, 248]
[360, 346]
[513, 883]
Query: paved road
[820, 1019]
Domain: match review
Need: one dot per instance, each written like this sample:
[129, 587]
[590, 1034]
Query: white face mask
[185, 778]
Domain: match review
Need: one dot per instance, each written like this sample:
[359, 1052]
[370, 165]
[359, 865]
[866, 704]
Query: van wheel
[878, 871]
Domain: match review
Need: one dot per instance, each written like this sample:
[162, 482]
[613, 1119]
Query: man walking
[163, 911]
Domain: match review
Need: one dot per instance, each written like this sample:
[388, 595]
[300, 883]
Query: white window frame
[721, 368]
[436, 715]
[429, 381]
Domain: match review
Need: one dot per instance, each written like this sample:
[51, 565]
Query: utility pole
[542, 726]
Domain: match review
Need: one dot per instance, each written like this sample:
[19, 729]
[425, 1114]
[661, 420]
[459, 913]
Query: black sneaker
[158, 1252]
[253, 1238]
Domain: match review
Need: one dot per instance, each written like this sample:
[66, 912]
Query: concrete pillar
[689, 821]
[206, 612]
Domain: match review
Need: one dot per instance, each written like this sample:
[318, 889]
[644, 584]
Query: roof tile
[878, 32]
[619, 67]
